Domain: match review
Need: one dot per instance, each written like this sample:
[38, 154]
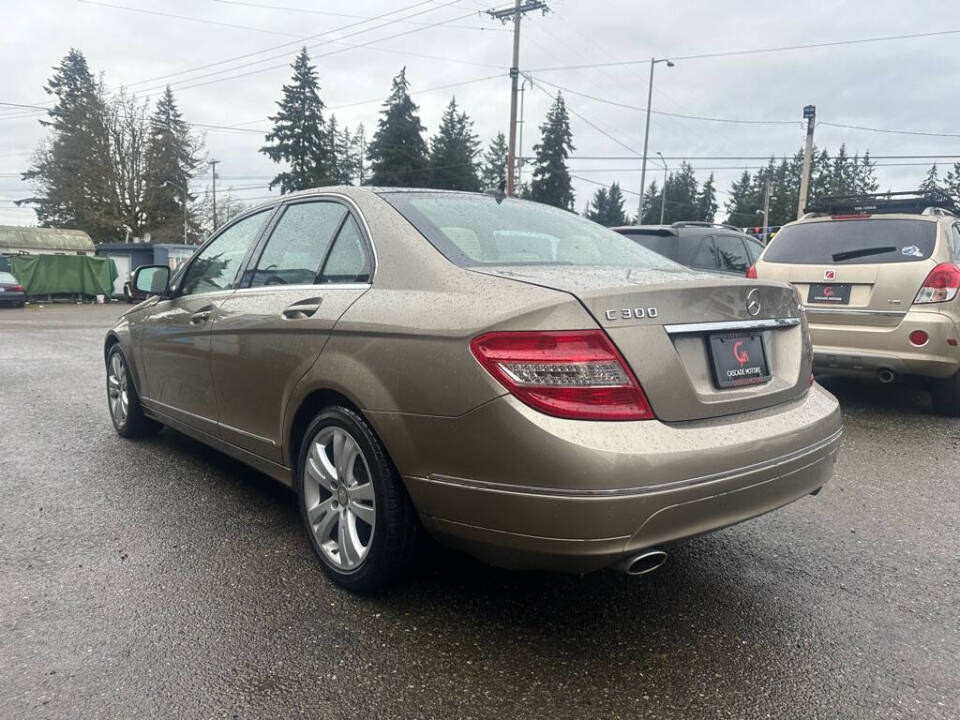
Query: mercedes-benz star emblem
[753, 302]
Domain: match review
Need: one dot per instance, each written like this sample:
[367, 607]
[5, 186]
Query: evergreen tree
[864, 179]
[931, 182]
[952, 182]
[398, 152]
[741, 206]
[71, 169]
[339, 170]
[597, 209]
[706, 204]
[652, 200]
[681, 195]
[453, 152]
[551, 179]
[494, 167]
[358, 154]
[299, 135]
[615, 216]
[172, 158]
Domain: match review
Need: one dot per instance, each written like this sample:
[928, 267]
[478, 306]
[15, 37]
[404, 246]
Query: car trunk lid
[663, 322]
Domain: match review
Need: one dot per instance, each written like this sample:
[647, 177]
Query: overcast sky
[227, 59]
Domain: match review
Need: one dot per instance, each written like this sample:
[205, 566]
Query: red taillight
[851, 216]
[919, 338]
[570, 374]
[14, 288]
[752, 272]
[941, 284]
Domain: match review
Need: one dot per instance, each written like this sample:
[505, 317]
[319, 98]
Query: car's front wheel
[946, 396]
[356, 512]
[123, 401]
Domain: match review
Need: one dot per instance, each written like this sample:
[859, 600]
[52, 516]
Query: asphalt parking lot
[162, 579]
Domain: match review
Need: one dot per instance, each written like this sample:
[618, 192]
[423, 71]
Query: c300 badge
[637, 313]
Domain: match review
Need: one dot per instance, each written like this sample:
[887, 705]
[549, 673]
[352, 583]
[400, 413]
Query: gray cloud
[906, 84]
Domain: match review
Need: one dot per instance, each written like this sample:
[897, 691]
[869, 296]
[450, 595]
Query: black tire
[133, 423]
[395, 540]
[946, 396]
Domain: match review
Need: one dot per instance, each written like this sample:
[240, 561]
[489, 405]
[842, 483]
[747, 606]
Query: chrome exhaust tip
[643, 563]
[886, 376]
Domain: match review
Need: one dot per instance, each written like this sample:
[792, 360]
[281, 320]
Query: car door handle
[302, 309]
[201, 315]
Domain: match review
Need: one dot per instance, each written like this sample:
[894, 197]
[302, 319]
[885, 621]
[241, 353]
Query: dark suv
[701, 245]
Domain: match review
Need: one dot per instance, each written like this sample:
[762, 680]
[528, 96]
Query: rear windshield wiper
[862, 252]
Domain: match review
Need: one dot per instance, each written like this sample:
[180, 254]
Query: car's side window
[703, 255]
[298, 244]
[215, 268]
[753, 250]
[731, 254]
[348, 261]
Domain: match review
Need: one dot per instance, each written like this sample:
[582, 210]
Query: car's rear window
[475, 230]
[849, 242]
[6, 277]
[665, 245]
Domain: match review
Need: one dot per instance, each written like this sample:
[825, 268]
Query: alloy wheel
[118, 389]
[339, 498]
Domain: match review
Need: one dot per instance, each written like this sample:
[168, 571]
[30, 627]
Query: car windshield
[854, 241]
[475, 230]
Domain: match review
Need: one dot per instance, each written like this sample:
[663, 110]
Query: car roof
[687, 228]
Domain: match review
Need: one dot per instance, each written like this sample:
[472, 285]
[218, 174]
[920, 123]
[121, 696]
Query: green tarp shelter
[64, 274]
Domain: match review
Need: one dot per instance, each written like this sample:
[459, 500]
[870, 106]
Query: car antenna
[498, 192]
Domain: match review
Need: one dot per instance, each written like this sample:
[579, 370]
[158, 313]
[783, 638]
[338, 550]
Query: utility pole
[517, 11]
[767, 193]
[646, 136]
[213, 164]
[663, 193]
[810, 113]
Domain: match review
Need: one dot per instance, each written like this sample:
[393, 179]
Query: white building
[44, 241]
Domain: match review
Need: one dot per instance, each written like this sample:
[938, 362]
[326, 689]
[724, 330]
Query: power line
[890, 131]
[753, 157]
[311, 11]
[756, 51]
[661, 112]
[186, 17]
[286, 63]
[297, 42]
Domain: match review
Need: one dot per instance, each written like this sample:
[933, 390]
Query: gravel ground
[162, 579]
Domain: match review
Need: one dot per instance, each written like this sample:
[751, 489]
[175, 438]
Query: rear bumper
[862, 350]
[583, 496]
[12, 298]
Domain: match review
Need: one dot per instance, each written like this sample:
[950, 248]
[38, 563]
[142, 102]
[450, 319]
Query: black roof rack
[700, 223]
[891, 202]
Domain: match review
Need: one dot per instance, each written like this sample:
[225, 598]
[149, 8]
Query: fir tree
[741, 208]
[952, 182]
[706, 203]
[551, 179]
[453, 152]
[71, 169]
[398, 152]
[652, 200]
[931, 182]
[494, 167]
[615, 216]
[172, 158]
[597, 209]
[299, 135]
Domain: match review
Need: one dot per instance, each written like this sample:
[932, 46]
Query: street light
[663, 193]
[183, 189]
[646, 134]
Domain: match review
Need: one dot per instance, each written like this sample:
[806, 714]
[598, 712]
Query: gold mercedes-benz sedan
[511, 379]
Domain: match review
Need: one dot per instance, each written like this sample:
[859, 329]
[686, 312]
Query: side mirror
[151, 279]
